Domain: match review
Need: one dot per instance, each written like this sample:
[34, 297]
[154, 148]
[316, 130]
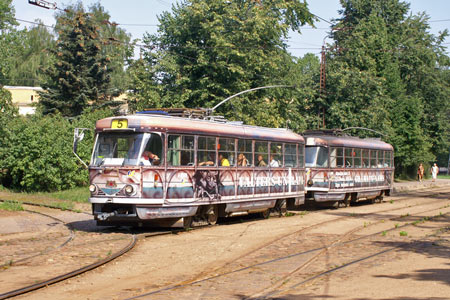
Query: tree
[207, 51]
[80, 77]
[116, 46]
[385, 72]
[8, 39]
[32, 55]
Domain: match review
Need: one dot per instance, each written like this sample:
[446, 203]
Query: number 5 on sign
[119, 124]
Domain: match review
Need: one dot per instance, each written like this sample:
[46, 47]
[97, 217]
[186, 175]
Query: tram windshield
[316, 157]
[126, 149]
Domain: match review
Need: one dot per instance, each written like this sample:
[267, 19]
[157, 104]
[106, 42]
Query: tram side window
[261, 154]
[373, 158]
[357, 158]
[365, 158]
[226, 152]
[290, 155]
[301, 155]
[245, 153]
[154, 147]
[206, 151]
[337, 158]
[276, 154]
[379, 159]
[387, 159]
[180, 150]
[349, 157]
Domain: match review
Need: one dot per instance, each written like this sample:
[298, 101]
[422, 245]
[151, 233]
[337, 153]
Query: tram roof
[161, 123]
[347, 141]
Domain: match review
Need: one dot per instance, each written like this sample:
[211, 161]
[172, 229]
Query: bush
[36, 152]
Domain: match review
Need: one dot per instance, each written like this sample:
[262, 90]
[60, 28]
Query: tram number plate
[119, 124]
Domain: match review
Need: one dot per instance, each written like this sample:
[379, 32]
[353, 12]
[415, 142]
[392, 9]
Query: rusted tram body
[344, 169]
[205, 169]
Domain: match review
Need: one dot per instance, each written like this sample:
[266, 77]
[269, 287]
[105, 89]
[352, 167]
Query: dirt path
[402, 246]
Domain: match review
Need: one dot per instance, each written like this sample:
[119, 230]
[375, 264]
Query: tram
[345, 169]
[172, 167]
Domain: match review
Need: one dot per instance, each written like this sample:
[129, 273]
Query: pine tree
[80, 76]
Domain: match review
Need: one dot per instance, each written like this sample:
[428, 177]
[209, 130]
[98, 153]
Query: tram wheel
[265, 214]
[212, 215]
[187, 222]
[280, 208]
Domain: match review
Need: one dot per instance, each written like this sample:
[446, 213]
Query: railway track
[315, 252]
[66, 275]
[136, 237]
[69, 238]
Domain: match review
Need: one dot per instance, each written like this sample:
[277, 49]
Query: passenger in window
[224, 162]
[149, 159]
[242, 160]
[208, 162]
[261, 162]
[274, 162]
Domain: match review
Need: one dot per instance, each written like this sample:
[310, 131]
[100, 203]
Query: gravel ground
[403, 248]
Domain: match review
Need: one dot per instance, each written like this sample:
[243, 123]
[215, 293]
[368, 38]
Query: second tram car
[344, 169]
[159, 167]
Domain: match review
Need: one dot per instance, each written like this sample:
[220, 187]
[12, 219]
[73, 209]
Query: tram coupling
[105, 216]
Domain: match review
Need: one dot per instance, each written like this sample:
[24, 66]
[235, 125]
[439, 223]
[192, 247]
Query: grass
[443, 176]
[11, 206]
[78, 194]
[64, 200]
[403, 233]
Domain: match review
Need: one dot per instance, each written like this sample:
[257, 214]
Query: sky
[140, 16]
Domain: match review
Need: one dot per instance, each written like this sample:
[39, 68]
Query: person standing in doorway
[434, 172]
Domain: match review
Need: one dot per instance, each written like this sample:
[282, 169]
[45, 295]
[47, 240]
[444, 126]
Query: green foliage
[80, 77]
[116, 47]
[31, 55]
[36, 152]
[8, 39]
[387, 72]
[198, 58]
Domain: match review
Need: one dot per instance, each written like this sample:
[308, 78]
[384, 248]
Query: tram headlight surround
[310, 182]
[93, 189]
[129, 189]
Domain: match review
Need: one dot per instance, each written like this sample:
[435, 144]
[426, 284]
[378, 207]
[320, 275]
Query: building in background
[27, 97]
[24, 97]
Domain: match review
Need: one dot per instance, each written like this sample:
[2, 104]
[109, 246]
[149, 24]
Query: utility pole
[322, 82]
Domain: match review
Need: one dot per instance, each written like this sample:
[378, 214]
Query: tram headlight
[129, 189]
[92, 188]
[310, 182]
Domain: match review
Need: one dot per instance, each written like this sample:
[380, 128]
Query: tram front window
[124, 149]
[316, 157]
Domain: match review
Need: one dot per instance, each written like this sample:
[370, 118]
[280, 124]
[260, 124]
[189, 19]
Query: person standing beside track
[420, 172]
[434, 172]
